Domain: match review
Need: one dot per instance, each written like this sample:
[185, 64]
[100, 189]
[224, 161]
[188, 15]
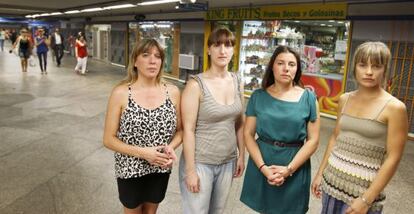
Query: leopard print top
[144, 128]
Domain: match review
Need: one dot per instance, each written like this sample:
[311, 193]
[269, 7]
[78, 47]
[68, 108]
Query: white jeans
[215, 184]
[81, 64]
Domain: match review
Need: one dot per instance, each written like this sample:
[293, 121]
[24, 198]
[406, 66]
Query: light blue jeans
[215, 184]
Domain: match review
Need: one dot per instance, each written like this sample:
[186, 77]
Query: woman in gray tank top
[367, 144]
[213, 144]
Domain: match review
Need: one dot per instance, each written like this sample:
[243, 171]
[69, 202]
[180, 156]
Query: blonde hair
[377, 52]
[142, 47]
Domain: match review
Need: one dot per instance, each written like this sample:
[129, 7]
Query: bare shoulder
[172, 89]
[344, 97]
[192, 85]
[120, 92]
[395, 105]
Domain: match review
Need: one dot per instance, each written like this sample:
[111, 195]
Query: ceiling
[20, 8]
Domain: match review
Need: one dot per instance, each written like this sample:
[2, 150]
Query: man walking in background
[57, 45]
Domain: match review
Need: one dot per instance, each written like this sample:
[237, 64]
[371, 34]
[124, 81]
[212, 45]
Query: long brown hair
[142, 47]
[269, 77]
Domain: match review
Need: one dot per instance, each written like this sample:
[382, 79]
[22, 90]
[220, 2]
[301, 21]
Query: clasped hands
[162, 156]
[276, 175]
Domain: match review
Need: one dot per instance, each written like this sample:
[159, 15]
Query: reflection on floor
[51, 153]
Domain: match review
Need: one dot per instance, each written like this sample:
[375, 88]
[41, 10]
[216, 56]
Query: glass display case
[322, 46]
[257, 43]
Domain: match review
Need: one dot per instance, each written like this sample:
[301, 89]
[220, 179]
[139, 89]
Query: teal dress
[286, 122]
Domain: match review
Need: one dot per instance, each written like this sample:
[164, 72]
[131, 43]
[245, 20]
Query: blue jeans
[215, 184]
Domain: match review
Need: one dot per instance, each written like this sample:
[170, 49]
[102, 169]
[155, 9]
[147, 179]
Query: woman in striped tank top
[368, 141]
[213, 144]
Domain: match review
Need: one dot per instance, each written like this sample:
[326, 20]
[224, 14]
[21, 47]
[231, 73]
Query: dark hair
[221, 35]
[269, 77]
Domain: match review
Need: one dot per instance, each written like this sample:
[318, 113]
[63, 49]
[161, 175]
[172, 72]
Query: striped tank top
[215, 134]
[358, 154]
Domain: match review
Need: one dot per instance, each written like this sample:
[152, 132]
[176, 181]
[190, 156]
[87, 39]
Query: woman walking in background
[213, 144]
[41, 43]
[81, 54]
[286, 119]
[24, 48]
[368, 141]
[143, 127]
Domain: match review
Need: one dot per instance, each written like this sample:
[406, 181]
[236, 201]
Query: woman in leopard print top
[143, 127]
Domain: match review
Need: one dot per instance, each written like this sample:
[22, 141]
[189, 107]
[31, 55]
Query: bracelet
[261, 166]
[365, 201]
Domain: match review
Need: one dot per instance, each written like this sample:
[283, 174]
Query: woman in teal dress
[286, 120]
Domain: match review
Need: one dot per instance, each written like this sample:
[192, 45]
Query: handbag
[32, 61]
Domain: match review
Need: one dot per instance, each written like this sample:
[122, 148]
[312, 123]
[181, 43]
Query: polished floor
[51, 154]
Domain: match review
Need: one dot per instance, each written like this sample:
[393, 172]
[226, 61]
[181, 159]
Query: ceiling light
[157, 2]
[72, 11]
[56, 13]
[28, 16]
[92, 9]
[45, 14]
[331, 20]
[323, 24]
[119, 6]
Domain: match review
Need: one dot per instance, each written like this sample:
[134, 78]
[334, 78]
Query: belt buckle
[278, 143]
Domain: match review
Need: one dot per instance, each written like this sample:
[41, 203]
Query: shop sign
[299, 11]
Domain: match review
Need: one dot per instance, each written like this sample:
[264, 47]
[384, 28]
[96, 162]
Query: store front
[318, 32]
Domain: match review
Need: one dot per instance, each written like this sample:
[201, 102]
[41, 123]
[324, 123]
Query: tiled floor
[51, 154]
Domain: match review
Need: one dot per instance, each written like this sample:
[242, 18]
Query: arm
[176, 141]
[76, 51]
[249, 132]
[16, 42]
[176, 98]
[117, 103]
[308, 148]
[332, 140]
[397, 121]
[240, 141]
[189, 105]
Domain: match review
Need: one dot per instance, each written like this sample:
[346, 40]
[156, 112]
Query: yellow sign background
[299, 11]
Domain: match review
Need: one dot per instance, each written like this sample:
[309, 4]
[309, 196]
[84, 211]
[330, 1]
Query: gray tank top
[215, 134]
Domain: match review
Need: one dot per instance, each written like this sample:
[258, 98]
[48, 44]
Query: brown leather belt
[283, 144]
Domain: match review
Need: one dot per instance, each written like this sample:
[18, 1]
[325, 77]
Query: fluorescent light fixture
[331, 20]
[340, 22]
[119, 6]
[157, 2]
[72, 11]
[330, 25]
[147, 26]
[56, 13]
[323, 24]
[29, 16]
[92, 9]
[297, 21]
[162, 25]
